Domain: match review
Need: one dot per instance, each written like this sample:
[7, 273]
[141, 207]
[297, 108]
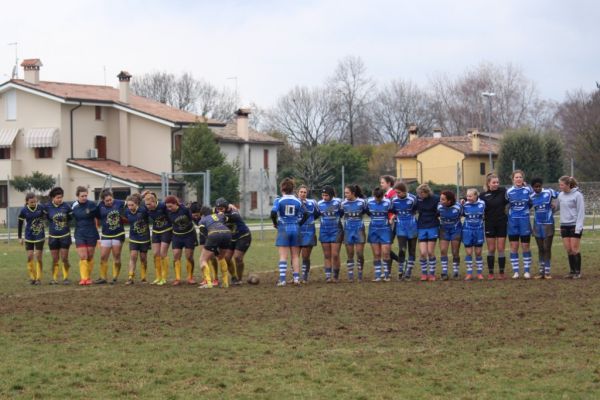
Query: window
[5, 153]
[10, 98]
[98, 111]
[3, 196]
[253, 200]
[101, 146]
[482, 168]
[178, 140]
[43, 152]
[266, 159]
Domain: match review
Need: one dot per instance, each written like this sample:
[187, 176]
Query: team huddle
[156, 225]
[426, 218]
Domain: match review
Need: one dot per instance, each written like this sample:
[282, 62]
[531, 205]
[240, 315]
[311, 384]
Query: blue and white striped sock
[514, 261]
[296, 276]
[469, 262]
[527, 260]
[423, 262]
[401, 266]
[444, 260]
[547, 268]
[479, 263]
[386, 267]
[455, 264]
[328, 273]
[410, 265]
[432, 265]
[359, 267]
[377, 269]
[303, 269]
[336, 274]
[350, 265]
[282, 270]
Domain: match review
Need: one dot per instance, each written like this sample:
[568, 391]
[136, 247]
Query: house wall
[407, 168]
[472, 167]
[439, 164]
[150, 145]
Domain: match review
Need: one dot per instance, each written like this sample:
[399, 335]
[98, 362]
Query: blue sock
[377, 269]
[359, 267]
[455, 265]
[410, 265]
[282, 270]
[303, 271]
[423, 262]
[336, 274]
[327, 273]
[527, 260]
[479, 262]
[386, 268]
[547, 269]
[296, 276]
[401, 266]
[350, 265]
[432, 264]
[469, 262]
[514, 261]
[444, 260]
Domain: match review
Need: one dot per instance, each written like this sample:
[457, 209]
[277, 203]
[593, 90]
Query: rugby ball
[253, 279]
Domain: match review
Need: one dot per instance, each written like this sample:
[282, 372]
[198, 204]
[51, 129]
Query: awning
[7, 136]
[41, 137]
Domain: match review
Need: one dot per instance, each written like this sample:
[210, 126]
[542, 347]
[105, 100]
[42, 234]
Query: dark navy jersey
[181, 220]
[34, 223]
[159, 218]
[495, 205]
[542, 206]
[353, 212]
[330, 213]
[474, 214]
[427, 209]
[85, 215]
[405, 208]
[378, 211]
[110, 217]
[139, 226]
[519, 201]
[236, 224]
[288, 208]
[212, 224]
[449, 216]
[58, 219]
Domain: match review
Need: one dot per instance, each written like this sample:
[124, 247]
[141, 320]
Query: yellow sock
[165, 268]
[116, 269]
[103, 269]
[232, 268]
[38, 271]
[131, 275]
[65, 270]
[157, 268]
[90, 267]
[143, 270]
[206, 273]
[31, 270]
[190, 269]
[224, 274]
[55, 271]
[83, 269]
[178, 270]
[213, 268]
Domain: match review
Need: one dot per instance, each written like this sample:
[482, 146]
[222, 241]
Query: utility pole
[15, 71]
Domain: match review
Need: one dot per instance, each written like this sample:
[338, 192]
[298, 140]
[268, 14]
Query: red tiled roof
[96, 93]
[134, 175]
[228, 133]
[459, 143]
[31, 62]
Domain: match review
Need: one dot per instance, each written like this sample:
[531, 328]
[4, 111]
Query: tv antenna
[15, 71]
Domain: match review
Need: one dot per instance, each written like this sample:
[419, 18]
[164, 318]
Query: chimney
[124, 78]
[475, 140]
[242, 123]
[437, 132]
[413, 133]
[32, 70]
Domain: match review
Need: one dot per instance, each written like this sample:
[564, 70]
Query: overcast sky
[271, 46]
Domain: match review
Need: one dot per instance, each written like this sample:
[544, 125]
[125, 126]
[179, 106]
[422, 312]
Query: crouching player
[32, 215]
[215, 238]
[380, 234]
[472, 233]
[331, 233]
[543, 229]
[139, 235]
[241, 238]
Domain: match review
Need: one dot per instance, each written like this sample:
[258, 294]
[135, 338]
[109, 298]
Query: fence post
[8, 205]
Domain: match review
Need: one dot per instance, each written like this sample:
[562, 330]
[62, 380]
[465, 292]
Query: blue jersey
[405, 208]
[58, 220]
[288, 209]
[312, 209]
[85, 215]
[428, 215]
[353, 213]
[330, 213]
[474, 214]
[450, 216]
[542, 206]
[519, 201]
[34, 223]
[139, 227]
[378, 211]
[110, 217]
[159, 218]
[181, 220]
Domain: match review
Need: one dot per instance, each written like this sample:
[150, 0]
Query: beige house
[84, 134]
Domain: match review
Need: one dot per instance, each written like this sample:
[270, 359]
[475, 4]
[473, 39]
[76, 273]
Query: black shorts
[218, 240]
[141, 247]
[242, 244]
[568, 231]
[59, 243]
[162, 237]
[496, 229]
[34, 245]
[523, 239]
[188, 241]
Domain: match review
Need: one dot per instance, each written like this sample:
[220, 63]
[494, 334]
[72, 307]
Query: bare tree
[214, 103]
[397, 106]
[186, 92]
[313, 168]
[305, 116]
[352, 90]
[159, 86]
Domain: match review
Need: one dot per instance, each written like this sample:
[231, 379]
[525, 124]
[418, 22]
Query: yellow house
[462, 160]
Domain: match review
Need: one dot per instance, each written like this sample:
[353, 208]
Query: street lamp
[489, 96]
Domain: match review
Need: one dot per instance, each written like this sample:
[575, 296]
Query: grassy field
[440, 340]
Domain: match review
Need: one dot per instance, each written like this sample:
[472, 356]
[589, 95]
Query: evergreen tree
[553, 150]
[527, 150]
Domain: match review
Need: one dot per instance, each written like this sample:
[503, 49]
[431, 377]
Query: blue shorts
[59, 243]
[428, 234]
[288, 235]
[354, 235]
[335, 236]
[543, 231]
[407, 229]
[381, 235]
[472, 237]
[188, 241]
[308, 237]
[450, 233]
[141, 247]
[163, 237]
[519, 227]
